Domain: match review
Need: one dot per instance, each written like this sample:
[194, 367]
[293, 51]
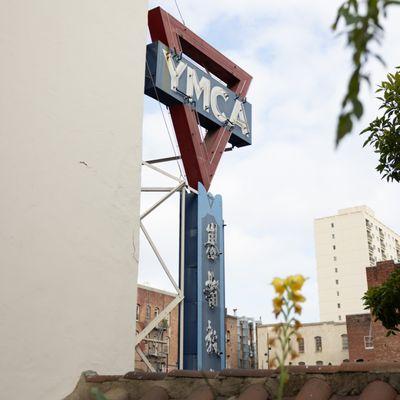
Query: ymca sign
[173, 79]
[202, 88]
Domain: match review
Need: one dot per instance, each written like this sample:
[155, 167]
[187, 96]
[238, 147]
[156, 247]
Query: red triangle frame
[200, 157]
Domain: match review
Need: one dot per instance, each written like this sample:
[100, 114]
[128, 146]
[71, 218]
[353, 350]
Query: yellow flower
[295, 282]
[278, 285]
[277, 303]
[293, 354]
[297, 308]
[297, 297]
[297, 324]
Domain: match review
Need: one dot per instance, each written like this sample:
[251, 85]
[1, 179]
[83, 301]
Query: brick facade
[162, 347]
[231, 348]
[360, 326]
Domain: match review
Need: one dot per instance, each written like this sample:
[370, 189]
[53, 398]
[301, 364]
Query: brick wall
[384, 348]
[231, 347]
[163, 356]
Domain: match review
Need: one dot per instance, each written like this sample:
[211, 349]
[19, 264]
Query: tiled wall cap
[312, 369]
[254, 392]
[370, 367]
[149, 376]
[156, 393]
[315, 389]
[177, 373]
[248, 373]
[102, 378]
[378, 390]
[202, 393]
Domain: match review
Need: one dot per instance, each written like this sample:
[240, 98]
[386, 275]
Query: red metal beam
[200, 158]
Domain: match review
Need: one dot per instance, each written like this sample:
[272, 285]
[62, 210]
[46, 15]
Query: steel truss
[181, 187]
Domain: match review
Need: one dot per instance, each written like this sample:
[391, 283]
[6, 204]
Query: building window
[332, 225]
[148, 311]
[368, 342]
[302, 363]
[156, 311]
[228, 336]
[318, 343]
[137, 312]
[337, 293]
[333, 236]
[338, 305]
[339, 317]
[300, 342]
[345, 342]
[337, 281]
[334, 247]
[320, 363]
[334, 258]
[346, 360]
[336, 270]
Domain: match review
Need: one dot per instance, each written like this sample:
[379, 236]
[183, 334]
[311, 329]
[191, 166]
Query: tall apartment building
[345, 245]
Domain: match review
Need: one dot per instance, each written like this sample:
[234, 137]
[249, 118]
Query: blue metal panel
[204, 330]
[157, 75]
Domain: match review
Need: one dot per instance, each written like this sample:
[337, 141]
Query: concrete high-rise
[345, 245]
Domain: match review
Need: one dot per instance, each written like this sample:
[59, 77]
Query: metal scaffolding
[181, 187]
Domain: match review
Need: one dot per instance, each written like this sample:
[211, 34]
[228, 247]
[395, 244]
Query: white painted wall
[71, 92]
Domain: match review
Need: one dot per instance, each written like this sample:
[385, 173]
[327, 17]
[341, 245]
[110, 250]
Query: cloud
[273, 190]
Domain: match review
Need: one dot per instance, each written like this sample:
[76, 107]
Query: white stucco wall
[71, 93]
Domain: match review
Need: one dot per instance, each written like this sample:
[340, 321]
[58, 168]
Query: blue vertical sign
[204, 283]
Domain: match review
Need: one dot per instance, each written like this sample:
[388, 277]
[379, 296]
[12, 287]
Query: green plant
[287, 304]
[362, 27]
[97, 394]
[384, 302]
[384, 131]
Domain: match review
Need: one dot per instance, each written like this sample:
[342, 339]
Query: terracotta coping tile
[248, 373]
[254, 392]
[181, 373]
[145, 376]
[202, 393]
[378, 390]
[102, 378]
[315, 389]
[370, 367]
[312, 369]
[156, 393]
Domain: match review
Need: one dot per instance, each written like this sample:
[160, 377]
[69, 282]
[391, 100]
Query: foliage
[97, 394]
[384, 131]
[362, 27]
[287, 304]
[384, 302]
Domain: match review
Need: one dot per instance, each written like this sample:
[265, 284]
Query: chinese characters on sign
[211, 339]
[212, 251]
[211, 290]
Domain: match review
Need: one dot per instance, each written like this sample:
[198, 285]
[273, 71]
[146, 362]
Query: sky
[292, 173]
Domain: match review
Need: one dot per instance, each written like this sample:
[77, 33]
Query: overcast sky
[273, 190]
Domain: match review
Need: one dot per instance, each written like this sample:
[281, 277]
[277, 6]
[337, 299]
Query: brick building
[367, 338]
[231, 337]
[161, 345]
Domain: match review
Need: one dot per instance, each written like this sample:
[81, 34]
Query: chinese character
[212, 251]
[211, 290]
[211, 339]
